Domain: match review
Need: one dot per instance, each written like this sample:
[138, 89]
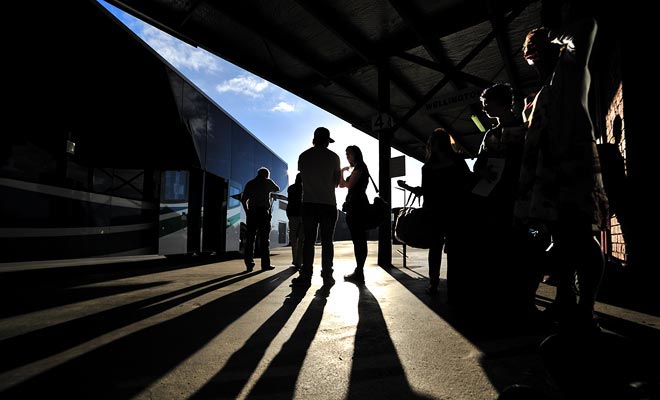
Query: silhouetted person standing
[356, 208]
[256, 202]
[561, 188]
[294, 213]
[445, 177]
[320, 172]
[510, 281]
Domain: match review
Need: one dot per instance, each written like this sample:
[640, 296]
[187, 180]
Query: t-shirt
[257, 192]
[294, 195]
[319, 168]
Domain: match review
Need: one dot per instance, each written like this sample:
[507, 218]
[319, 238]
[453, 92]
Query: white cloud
[284, 107]
[247, 85]
[178, 53]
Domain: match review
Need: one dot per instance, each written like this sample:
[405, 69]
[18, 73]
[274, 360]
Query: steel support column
[384, 154]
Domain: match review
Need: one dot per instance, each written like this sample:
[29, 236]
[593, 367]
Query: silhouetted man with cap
[319, 168]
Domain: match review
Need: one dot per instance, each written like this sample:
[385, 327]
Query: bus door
[215, 214]
[174, 213]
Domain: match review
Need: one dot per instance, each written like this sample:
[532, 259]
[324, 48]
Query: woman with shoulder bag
[445, 176]
[356, 208]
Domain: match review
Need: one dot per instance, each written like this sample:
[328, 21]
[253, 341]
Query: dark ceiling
[332, 52]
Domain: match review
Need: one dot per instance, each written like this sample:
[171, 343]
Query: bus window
[233, 191]
[175, 186]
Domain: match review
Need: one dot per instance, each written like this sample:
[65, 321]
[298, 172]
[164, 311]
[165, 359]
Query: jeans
[258, 220]
[320, 218]
[296, 236]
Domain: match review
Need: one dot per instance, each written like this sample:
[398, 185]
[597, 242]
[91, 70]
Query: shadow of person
[65, 282]
[231, 379]
[376, 371]
[41, 343]
[279, 379]
[134, 361]
[600, 365]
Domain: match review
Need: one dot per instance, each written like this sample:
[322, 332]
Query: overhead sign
[381, 121]
[397, 166]
[459, 98]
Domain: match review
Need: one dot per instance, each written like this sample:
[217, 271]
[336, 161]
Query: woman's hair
[536, 40]
[440, 140]
[499, 93]
[538, 43]
[358, 159]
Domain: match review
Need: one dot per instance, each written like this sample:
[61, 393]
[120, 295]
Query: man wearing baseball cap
[319, 168]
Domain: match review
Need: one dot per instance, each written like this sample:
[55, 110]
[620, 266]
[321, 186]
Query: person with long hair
[356, 207]
[445, 178]
[560, 188]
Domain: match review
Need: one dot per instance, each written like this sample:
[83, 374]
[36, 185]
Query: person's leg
[300, 237]
[295, 237]
[360, 248]
[310, 224]
[581, 265]
[248, 255]
[359, 239]
[327, 221]
[264, 237]
[589, 275]
[435, 260]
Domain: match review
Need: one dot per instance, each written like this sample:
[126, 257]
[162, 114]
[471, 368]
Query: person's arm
[578, 37]
[417, 190]
[353, 178]
[336, 173]
[274, 187]
[343, 182]
[244, 201]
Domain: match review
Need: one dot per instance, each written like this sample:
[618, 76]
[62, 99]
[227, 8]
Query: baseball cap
[322, 133]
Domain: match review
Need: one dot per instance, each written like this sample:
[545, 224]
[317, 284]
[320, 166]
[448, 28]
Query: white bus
[116, 153]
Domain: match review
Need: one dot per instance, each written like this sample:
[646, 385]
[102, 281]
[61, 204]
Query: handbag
[414, 226]
[378, 211]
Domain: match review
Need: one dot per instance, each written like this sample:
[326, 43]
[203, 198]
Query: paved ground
[160, 328]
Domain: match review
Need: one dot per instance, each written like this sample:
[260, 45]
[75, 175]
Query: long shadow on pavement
[231, 379]
[38, 344]
[511, 347]
[126, 366]
[279, 379]
[376, 372]
[25, 291]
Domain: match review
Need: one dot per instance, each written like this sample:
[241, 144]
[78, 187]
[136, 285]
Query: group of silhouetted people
[533, 203]
[534, 183]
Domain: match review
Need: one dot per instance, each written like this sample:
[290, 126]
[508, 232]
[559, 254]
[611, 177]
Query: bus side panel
[46, 222]
[173, 220]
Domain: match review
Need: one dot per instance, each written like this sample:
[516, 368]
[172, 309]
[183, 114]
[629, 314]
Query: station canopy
[436, 55]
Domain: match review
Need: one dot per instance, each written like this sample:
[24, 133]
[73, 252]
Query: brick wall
[616, 133]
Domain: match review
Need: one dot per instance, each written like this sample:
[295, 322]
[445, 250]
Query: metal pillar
[384, 154]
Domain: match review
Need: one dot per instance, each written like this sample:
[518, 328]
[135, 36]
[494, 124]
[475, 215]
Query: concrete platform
[157, 328]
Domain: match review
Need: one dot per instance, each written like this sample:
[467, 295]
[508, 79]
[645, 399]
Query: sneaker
[355, 277]
[267, 268]
[432, 290]
[302, 281]
[328, 281]
[249, 266]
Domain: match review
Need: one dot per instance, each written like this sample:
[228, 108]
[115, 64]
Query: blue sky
[281, 120]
